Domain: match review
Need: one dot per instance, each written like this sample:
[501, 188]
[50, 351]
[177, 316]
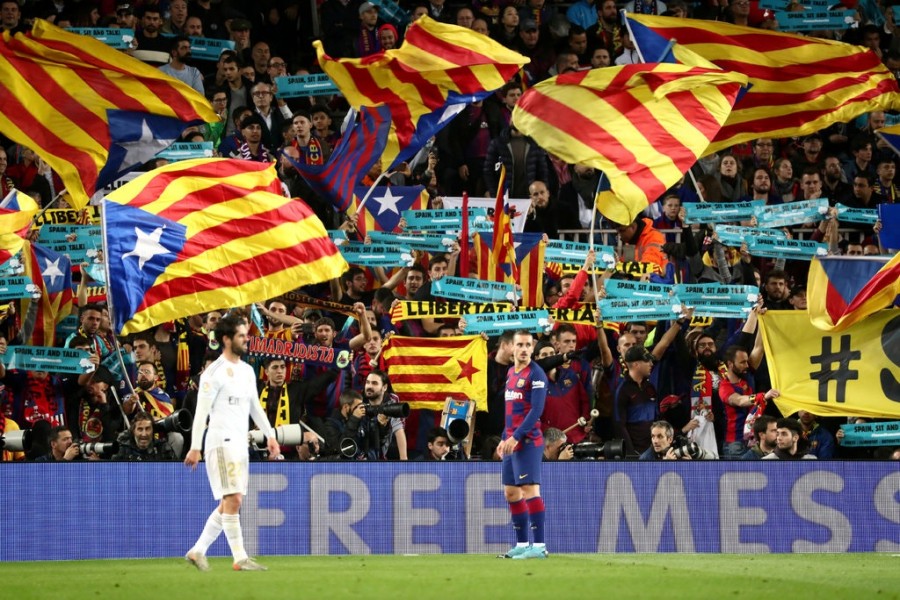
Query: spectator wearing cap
[179, 55]
[797, 299]
[148, 37]
[533, 46]
[253, 148]
[125, 18]
[636, 407]
[239, 33]
[810, 154]
[367, 42]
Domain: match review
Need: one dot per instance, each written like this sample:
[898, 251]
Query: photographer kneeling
[664, 447]
[138, 443]
[555, 446]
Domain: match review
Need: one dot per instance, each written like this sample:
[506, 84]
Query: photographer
[137, 444]
[555, 446]
[346, 421]
[62, 447]
[662, 438]
[383, 430]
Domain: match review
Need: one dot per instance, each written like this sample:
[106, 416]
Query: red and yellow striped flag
[798, 85]
[643, 125]
[207, 234]
[16, 212]
[427, 371]
[437, 70]
[88, 110]
[529, 259]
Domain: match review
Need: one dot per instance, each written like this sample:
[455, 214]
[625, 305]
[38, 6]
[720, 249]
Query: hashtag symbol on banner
[827, 372]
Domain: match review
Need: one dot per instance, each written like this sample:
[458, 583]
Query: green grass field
[468, 577]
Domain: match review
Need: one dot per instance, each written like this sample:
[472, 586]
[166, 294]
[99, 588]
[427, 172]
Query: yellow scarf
[283, 412]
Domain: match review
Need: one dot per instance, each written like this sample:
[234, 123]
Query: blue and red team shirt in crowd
[526, 394]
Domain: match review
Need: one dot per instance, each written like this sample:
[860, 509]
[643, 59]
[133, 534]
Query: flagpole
[48, 207]
[112, 313]
[591, 242]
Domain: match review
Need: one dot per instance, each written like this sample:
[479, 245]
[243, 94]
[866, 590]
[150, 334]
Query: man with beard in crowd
[789, 441]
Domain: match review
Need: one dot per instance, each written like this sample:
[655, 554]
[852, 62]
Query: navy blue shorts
[523, 467]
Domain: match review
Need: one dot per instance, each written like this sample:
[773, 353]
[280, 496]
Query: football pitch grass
[468, 577]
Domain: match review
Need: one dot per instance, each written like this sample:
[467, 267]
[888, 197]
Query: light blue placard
[97, 272]
[640, 309]
[78, 252]
[448, 219]
[735, 235]
[12, 267]
[315, 84]
[187, 150]
[721, 309]
[795, 249]
[390, 12]
[13, 288]
[691, 293]
[416, 241]
[120, 39]
[338, 236]
[865, 216]
[562, 251]
[871, 434]
[474, 290]
[809, 20]
[536, 321]
[209, 48]
[819, 5]
[792, 213]
[43, 358]
[67, 327]
[376, 255]
[720, 212]
[61, 234]
[625, 289]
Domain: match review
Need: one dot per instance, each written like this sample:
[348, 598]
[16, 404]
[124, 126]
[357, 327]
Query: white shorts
[227, 468]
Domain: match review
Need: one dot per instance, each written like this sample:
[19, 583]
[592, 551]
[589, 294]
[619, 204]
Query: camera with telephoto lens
[611, 450]
[98, 448]
[395, 410]
[16, 441]
[285, 435]
[179, 421]
[683, 447]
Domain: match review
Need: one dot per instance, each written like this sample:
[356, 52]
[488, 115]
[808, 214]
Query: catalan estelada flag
[52, 274]
[16, 212]
[843, 290]
[90, 111]
[435, 73]
[643, 125]
[385, 206]
[427, 371]
[529, 249]
[207, 234]
[360, 148]
[798, 85]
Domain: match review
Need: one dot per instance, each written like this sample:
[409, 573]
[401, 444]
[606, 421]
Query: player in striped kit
[228, 396]
[522, 448]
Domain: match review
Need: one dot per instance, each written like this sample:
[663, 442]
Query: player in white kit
[229, 398]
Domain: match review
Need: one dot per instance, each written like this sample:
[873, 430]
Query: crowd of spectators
[703, 377]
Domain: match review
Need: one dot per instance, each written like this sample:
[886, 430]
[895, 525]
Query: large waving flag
[503, 254]
[52, 274]
[643, 125]
[798, 85]
[207, 234]
[843, 290]
[385, 206]
[435, 73]
[16, 212]
[360, 147]
[90, 111]
[529, 249]
[425, 372]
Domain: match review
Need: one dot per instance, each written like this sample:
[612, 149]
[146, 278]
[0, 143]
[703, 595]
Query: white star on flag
[388, 202]
[51, 270]
[139, 151]
[147, 246]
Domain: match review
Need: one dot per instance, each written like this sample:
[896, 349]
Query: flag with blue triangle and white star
[52, 274]
[385, 206]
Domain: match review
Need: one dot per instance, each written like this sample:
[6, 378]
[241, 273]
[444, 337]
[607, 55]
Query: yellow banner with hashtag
[852, 372]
